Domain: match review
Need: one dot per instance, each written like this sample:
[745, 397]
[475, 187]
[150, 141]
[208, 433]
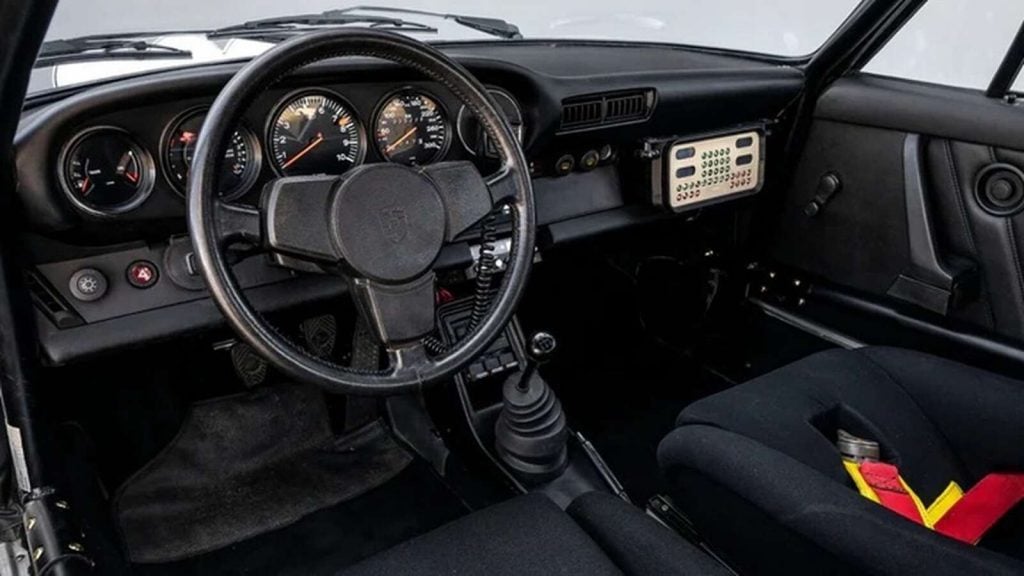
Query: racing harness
[965, 516]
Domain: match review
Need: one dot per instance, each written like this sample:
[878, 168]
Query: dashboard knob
[88, 285]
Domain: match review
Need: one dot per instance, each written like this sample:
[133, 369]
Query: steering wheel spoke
[239, 223]
[297, 214]
[398, 314]
[467, 196]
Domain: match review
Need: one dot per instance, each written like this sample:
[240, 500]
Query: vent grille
[623, 108]
[51, 303]
[579, 114]
[607, 109]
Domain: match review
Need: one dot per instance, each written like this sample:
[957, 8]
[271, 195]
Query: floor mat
[246, 465]
[411, 504]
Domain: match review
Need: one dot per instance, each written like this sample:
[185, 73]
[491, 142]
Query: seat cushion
[757, 469]
[531, 535]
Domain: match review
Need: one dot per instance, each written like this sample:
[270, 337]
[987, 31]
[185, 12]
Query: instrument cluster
[106, 171]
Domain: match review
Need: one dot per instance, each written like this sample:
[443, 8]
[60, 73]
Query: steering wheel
[380, 227]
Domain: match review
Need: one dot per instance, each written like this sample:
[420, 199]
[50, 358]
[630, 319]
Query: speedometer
[316, 133]
[412, 128]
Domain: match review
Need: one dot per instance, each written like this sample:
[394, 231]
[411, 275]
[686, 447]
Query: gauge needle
[304, 151]
[399, 142]
[85, 186]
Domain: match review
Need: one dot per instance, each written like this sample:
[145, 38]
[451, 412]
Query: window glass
[953, 42]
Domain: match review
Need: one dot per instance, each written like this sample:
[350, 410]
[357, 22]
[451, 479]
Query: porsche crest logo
[393, 223]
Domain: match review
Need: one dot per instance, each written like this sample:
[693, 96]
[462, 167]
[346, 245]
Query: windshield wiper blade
[492, 26]
[104, 47]
[284, 26]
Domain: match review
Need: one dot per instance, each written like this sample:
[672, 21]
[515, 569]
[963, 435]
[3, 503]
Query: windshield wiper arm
[284, 26]
[492, 26]
[104, 47]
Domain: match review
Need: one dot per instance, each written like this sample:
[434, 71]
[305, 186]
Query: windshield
[777, 27]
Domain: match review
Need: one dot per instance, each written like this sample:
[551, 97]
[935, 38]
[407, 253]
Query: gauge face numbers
[240, 166]
[316, 133]
[412, 129]
[106, 172]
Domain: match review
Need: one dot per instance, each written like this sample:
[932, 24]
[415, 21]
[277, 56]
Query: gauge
[474, 137]
[241, 165]
[106, 172]
[412, 129]
[316, 133]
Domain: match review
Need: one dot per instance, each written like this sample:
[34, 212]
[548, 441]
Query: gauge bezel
[144, 190]
[520, 131]
[451, 132]
[251, 140]
[295, 95]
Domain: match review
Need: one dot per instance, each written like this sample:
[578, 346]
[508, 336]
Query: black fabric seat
[597, 535]
[756, 468]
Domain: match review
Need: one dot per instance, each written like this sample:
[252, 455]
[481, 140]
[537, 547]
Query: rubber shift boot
[531, 433]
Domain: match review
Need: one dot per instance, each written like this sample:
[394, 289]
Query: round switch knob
[88, 285]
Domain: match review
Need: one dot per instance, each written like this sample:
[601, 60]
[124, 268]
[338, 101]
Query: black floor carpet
[412, 503]
[245, 465]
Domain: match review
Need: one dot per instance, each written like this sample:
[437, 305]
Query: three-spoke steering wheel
[379, 226]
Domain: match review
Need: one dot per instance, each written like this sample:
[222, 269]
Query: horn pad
[388, 222]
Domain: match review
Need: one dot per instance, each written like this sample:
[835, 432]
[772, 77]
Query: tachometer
[412, 128]
[316, 133]
[106, 172]
[241, 165]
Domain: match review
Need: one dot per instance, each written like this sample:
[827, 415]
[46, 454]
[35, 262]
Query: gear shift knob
[542, 346]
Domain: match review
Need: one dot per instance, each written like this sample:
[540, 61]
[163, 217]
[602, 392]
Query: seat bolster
[525, 535]
[804, 501]
[980, 414]
[636, 542]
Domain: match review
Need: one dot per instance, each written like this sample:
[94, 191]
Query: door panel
[861, 239]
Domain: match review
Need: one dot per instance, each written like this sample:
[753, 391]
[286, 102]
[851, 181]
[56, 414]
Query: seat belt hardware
[981, 507]
[963, 516]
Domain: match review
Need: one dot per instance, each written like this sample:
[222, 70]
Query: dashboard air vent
[607, 109]
[50, 302]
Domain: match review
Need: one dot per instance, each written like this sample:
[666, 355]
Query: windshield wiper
[279, 28]
[492, 26]
[104, 47]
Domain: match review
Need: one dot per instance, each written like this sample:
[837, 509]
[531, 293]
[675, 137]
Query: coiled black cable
[483, 294]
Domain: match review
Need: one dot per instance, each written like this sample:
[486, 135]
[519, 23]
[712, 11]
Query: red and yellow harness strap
[965, 517]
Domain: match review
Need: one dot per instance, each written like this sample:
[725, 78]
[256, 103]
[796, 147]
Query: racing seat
[757, 470]
[599, 534]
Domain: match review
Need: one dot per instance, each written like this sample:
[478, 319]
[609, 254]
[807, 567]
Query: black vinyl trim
[928, 109]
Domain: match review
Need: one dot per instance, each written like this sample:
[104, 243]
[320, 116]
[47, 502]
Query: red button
[142, 274]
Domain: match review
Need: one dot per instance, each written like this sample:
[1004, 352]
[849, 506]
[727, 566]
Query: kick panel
[690, 173]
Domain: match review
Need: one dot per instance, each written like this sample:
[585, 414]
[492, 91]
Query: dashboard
[132, 165]
[103, 169]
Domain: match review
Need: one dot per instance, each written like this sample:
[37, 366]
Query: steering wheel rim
[214, 225]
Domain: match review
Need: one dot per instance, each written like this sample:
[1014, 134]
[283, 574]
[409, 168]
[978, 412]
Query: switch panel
[693, 173]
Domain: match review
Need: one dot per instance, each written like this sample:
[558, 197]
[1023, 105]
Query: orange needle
[85, 185]
[131, 176]
[304, 151]
[398, 142]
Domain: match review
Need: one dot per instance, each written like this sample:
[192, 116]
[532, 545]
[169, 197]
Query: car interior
[367, 305]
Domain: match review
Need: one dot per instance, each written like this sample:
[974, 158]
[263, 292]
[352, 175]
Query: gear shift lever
[531, 433]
